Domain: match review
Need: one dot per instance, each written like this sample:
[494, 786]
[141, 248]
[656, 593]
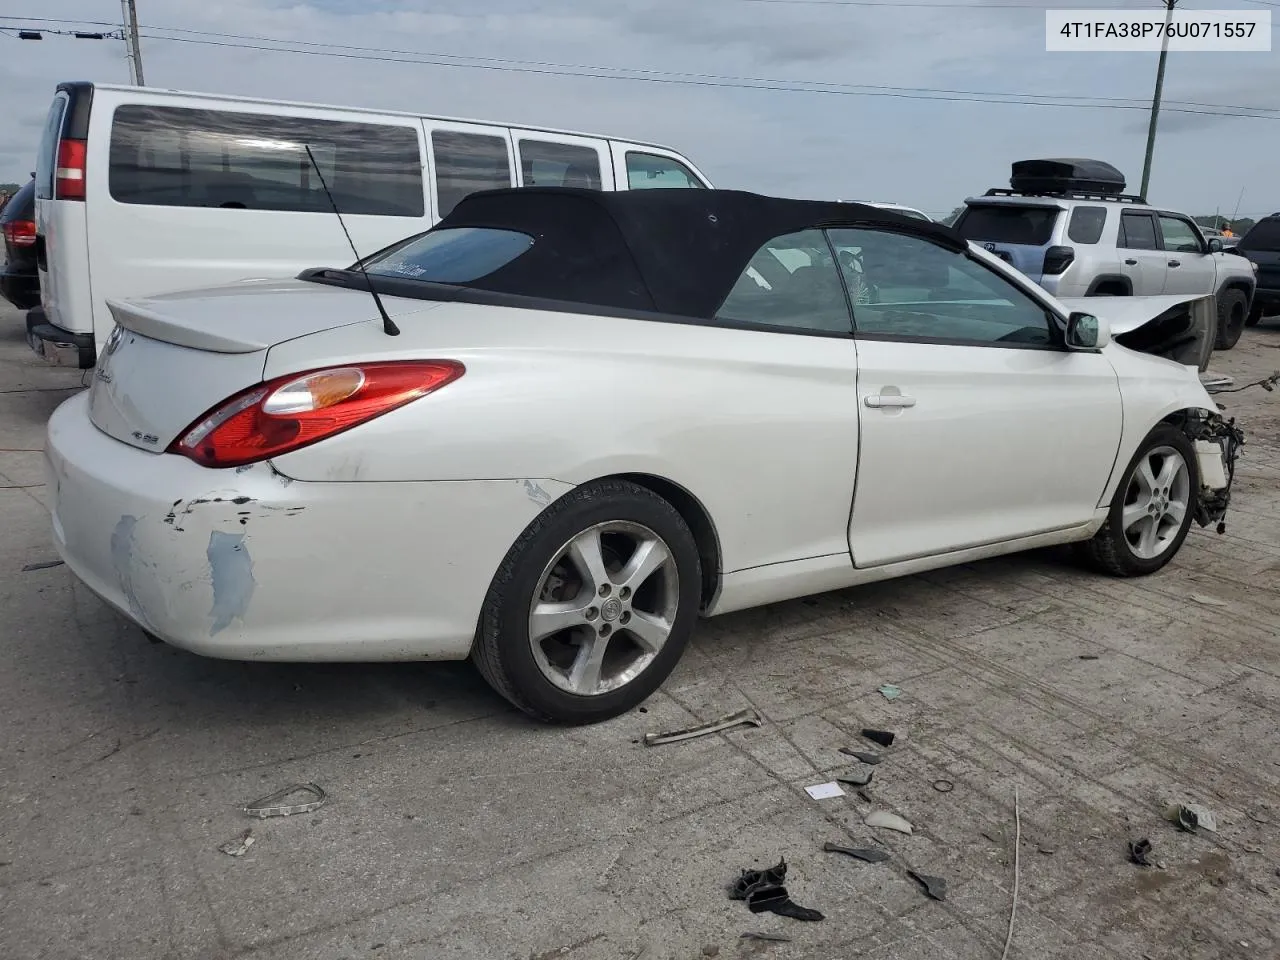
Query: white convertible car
[570, 422]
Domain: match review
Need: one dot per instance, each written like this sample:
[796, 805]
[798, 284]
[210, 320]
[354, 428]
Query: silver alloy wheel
[1156, 502]
[603, 608]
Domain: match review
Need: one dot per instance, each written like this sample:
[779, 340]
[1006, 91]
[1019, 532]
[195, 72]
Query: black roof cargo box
[1065, 176]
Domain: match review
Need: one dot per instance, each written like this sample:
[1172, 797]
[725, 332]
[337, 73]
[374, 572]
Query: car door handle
[1175, 263]
[1131, 262]
[884, 401]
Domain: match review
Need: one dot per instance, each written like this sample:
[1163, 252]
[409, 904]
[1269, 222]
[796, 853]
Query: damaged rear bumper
[246, 564]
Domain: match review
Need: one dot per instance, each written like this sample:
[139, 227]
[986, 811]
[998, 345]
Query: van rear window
[1032, 226]
[181, 157]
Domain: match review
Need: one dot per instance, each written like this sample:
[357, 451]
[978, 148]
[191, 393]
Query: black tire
[1233, 311]
[1110, 550]
[503, 651]
[1255, 316]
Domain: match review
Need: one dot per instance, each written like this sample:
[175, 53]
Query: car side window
[546, 163]
[908, 288]
[1137, 232]
[1179, 235]
[792, 281]
[467, 163]
[1086, 224]
[648, 171]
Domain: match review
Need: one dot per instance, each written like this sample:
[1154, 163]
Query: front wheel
[593, 605]
[1233, 311]
[1152, 509]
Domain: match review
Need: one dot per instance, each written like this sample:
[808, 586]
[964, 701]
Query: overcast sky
[923, 152]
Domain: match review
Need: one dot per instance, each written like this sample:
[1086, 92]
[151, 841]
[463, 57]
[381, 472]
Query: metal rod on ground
[1155, 100]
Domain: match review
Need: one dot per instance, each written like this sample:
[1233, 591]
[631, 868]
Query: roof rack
[1066, 195]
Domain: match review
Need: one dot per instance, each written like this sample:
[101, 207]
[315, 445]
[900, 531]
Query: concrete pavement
[455, 828]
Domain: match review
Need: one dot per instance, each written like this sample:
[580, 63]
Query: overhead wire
[595, 71]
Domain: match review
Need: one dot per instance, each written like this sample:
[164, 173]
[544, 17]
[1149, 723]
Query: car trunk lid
[172, 358]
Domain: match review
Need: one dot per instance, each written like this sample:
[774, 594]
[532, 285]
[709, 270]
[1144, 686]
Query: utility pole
[1155, 100]
[133, 50]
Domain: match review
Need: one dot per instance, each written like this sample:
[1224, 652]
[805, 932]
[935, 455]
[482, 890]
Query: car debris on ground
[270, 805]
[865, 854]
[1140, 853]
[934, 887]
[43, 565]
[887, 821]
[1191, 817]
[742, 717]
[856, 778]
[890, 692]
[870, 758]
[882, 737]
[765, 891]
[239, 845]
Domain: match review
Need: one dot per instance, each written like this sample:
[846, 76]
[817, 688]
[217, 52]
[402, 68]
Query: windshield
[452, 255]
[1001, 223]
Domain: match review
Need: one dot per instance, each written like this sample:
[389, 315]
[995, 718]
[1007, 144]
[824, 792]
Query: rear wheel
[1152, 509]
[1233, 309]
[593, 606]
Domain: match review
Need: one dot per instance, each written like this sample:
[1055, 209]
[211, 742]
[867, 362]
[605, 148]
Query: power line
[510, 65]
[924, 4]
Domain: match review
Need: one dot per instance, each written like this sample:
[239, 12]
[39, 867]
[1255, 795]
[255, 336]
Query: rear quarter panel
[760, 427]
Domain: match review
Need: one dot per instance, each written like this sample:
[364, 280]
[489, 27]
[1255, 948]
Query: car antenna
[388, 325]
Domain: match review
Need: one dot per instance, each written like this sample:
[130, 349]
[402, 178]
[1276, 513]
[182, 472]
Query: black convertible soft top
[672, 251]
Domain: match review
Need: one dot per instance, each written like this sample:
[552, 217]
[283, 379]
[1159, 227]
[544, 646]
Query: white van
[142, 191]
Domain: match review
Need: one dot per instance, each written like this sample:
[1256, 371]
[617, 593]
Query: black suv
[1262, 245]
[19, 282]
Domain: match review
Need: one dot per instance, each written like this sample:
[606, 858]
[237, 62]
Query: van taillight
[69, 174]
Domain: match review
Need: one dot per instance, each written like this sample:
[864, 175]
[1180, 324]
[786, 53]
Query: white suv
[1101, 242]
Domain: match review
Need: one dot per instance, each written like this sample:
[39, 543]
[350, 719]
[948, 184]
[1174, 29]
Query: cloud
[920, 151]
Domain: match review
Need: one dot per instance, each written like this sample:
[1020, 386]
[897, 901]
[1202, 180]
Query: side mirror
[1215, 245]
[1087, 332]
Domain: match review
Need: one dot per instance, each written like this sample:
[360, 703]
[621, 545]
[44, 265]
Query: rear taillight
[69, 174]
[294, 411]
[20, 233]
[1057, 259]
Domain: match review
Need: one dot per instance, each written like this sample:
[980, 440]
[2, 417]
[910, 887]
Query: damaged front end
[1217, 443]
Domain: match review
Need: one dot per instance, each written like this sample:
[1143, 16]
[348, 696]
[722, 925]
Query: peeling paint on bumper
[240, 565]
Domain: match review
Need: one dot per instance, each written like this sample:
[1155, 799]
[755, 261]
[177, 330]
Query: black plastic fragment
[871, 758]
[789, 908]
[1140, 852]
[866, 854]
[882, 737]
[856, 778]
[764, 891]
[43, 565]
[768, 937]
[935, 887]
